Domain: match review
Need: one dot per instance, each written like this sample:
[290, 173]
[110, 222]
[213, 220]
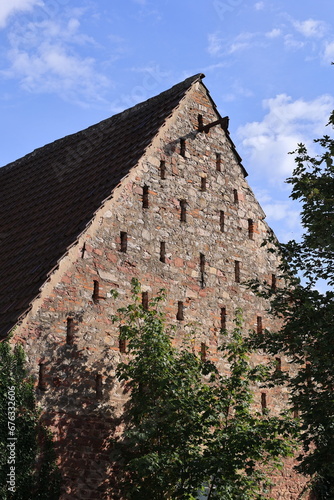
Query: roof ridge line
[188, 82]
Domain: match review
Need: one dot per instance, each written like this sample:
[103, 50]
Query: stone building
[157, 192]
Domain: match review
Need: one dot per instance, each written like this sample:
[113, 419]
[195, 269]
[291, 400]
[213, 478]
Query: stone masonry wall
[71, 343]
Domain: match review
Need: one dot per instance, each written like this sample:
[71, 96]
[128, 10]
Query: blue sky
[67, 64]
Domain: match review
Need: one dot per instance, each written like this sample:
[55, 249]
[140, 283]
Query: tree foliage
[307, 335]
[187, 426]
[28, 469]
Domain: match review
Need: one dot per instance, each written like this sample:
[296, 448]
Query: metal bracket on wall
[221, 121]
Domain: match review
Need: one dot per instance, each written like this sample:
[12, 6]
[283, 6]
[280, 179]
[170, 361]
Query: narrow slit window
[180, 311]
[278, 363]
[124, 241]
[98, 385]
[308, 374]
[263, 401]
[237, 271]
[162, 169]
[223, 318]
[162, 251]
[122, 344]
[41, 377]
[273, 282]
[145, 197]
[203, 351]
[70, 331]
[235, 196]
[259, 327]
[250, 229]
[202, 269]
[203, 183]
[96, 292]
[222, 221]
[144, 300]
[183, 147]
[183, 207]
[200, 122]
[218, 162]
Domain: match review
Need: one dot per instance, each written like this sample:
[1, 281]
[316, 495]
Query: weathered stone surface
[83, 423]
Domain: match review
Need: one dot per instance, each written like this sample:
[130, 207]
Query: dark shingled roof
[50, 195]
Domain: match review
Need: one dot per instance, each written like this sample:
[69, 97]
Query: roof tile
[50, 195]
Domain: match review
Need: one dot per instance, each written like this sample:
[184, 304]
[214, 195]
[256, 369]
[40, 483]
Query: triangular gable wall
[207, 257]
[49, 196]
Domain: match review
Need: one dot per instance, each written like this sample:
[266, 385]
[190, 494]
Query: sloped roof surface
[49, 196]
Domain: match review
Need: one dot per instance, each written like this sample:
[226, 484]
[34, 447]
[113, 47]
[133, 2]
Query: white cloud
[241, 42]
[52, 69]
[215, 44]
[213, 67]
[281, 210]
[328, 54]
[310, 28]
[238, 46]
[259, 6]
[285, 216]
[274, 33]
[219, 46]
[291, 43]
[282, 215]
[45, 57]
[237, 90]
[285, 124]
[10, 7]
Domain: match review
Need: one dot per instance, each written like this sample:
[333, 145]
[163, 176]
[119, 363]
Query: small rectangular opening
[273, 282]
[122, 345]
[250, 229]
[202, 262]
[183, 147]
[278, 364]
[70, 331]
[308, 374]
[218, 162]
[202, 269]
[263, 401]
[98, 385]
[237, 271]
[145, 197]
[200, 122]
[180, 312]
[259, 327]
[162, 169]
[144, 300]
[183, 207]
[203, 183]
[41, 377]
[203, 351]
[223, 318]
[124, 241]
[162, 251]
[222, 221]
[235, 196]
[96, 292]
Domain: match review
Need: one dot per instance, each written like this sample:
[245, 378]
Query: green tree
[188, 426]
[28, 469]
[307, 335]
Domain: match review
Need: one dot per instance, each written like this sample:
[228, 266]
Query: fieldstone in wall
[215, 226]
